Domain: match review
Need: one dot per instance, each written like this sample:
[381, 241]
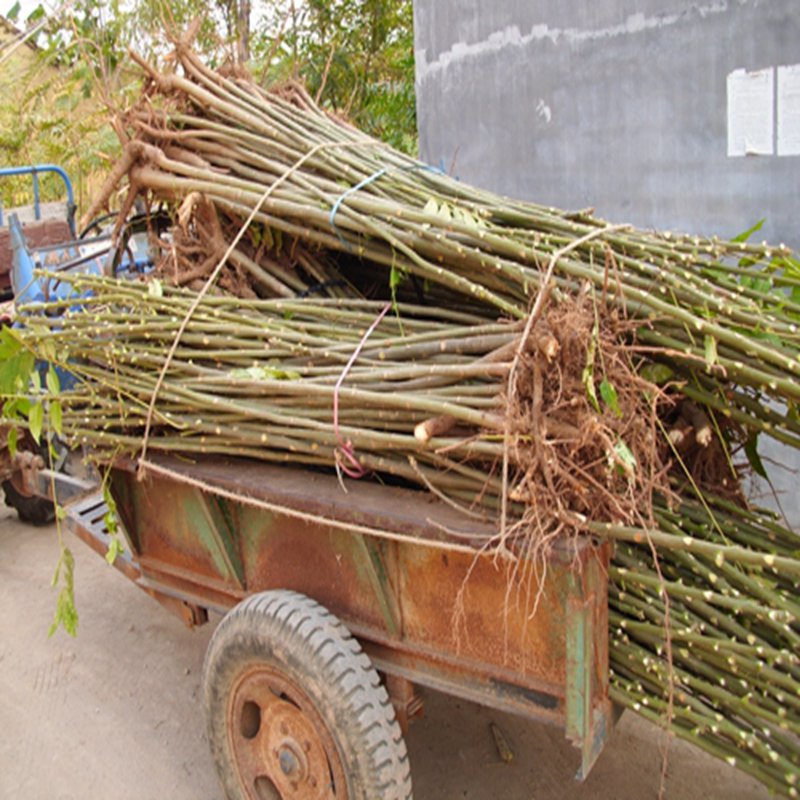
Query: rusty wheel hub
[280, 744]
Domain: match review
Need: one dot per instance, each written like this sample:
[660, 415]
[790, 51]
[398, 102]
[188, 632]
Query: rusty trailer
[413, 580]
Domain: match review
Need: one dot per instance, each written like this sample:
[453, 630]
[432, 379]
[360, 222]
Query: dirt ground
[115, 713]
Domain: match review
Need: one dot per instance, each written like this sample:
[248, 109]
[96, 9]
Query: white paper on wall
[750, 112]
[789, 110]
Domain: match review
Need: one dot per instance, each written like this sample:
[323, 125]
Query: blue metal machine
[54, 245]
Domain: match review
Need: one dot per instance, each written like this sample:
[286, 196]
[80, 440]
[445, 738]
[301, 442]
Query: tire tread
[366, 725]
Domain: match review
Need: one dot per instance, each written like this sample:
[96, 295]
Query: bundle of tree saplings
[425, 401]
[542, 369]
[339, 210]
[706, 636]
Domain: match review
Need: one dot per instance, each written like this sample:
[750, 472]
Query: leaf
[35, 421]
[395, 278]
[48, 350]
[711, 350]
[11, 441]
[53, 383]
[465, 218]
[625, 459]
[609, 395]
[115, 549]
[37, 14]
[265, 373]
[791, 266]
[745, 235]
[656, 373]
[9, 344]
[66, 615]
[588, 371]
[57, 417]
[35, 380]
[431, 207]
[15, 373]
[13, 12]
[751, 451]
[758, 283]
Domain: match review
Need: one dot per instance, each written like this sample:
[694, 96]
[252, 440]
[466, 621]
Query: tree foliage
[355, 56]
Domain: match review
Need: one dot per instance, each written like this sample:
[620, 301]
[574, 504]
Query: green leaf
[66, 615]
[588, 371]
[37, 14]
[53, 383]
[758, 283]
[17, 408]
[15, 373]
[745, 235]
[35, 381]
[711, 350]
[609, 395]
[48, 349]
[431, 207]
[791, 266]
[9, 344]
[625, 459]
[115, 549]
[57, 417]
[395, 278]
[35, 421]
[13, 12]
[12, 440]
[656, 373]
[751, 451]
[264, 373]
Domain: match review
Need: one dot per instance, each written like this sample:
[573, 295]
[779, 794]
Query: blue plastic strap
[375, 175]
[345, 194]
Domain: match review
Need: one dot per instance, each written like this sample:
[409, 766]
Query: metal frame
[35, 170]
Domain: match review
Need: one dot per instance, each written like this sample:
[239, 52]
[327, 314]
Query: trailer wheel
[295, 709]
[31, 509]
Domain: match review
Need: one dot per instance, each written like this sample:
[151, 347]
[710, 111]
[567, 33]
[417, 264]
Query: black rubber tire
[31, 509]
[296, 636]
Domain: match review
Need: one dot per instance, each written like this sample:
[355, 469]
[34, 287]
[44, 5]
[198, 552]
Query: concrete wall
[628, 106]
[617, 104]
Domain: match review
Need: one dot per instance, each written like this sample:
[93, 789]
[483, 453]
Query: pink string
[345, 454]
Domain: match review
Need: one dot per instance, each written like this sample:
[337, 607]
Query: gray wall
[616, 104]
[622, 105]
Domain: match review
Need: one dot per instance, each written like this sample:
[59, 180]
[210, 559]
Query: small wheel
[295, 709]
[30, 508]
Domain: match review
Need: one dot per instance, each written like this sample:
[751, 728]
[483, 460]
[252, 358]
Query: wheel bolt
[288, 762]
